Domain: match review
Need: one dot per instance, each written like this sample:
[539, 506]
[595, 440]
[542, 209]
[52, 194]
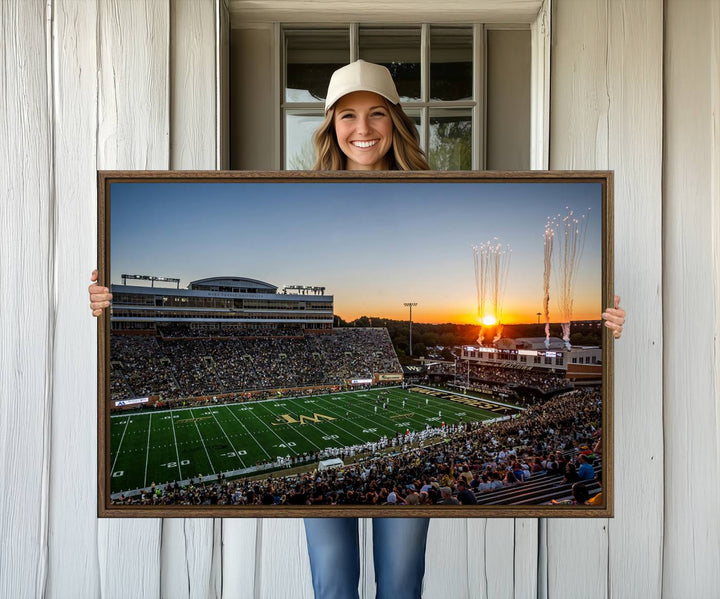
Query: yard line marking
[475, 413]
[373, 422]
[147, 451]
[345, 430]
[119, 446]
[248, 431]
[177, 454]
[418, 421]
[237, 455]
[396, 408]
[203, 444]
[279, 437]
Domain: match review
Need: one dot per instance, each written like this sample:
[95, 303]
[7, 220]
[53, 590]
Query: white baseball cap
[361, 76]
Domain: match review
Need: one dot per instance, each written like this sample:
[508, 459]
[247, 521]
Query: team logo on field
[288, 419]
[465, 399]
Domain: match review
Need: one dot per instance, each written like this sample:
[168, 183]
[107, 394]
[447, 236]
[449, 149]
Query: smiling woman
[365, 128]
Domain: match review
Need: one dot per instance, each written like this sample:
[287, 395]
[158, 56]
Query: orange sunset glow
[440, 316]
[432, 312]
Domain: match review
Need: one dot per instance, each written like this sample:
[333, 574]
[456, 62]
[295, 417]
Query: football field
[166, 445]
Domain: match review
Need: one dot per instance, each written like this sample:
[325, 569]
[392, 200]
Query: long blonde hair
[404, 155]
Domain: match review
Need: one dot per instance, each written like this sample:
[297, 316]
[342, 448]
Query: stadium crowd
[138, 368]
[168, 330]
[467, 460]
[545, 382]
[175, 367]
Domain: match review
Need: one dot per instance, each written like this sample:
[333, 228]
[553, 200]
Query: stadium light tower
[410, 305]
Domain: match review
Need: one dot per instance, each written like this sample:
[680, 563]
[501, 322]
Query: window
[467, 87]
[439, 71]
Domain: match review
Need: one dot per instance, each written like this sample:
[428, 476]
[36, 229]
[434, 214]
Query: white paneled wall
[606, 112]
[115, 84]
[73, 544]
[635, 116]
[691, 200]
[27, 312]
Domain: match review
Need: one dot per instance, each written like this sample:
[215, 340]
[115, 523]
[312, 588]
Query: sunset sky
[373, 246]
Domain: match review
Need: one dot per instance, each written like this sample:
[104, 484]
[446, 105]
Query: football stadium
[234, 391]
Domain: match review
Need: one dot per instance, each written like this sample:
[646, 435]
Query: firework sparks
[492, 262]
[570, 232]
[549, 238]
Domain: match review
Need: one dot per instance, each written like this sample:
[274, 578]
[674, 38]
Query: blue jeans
[398, 552]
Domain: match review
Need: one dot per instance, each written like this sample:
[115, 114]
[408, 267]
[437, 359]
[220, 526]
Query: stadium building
[220, 304]
[235, 339]
[531, 353]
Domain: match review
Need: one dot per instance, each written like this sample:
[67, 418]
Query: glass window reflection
[450, 146]
[299, 149]
[398, 50]
[310, 59]
[451, 63]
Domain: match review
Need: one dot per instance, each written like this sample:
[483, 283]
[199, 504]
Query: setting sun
[489, 320]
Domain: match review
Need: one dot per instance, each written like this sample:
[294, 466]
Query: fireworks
[492, 261]
[549, 238]
[570, 233]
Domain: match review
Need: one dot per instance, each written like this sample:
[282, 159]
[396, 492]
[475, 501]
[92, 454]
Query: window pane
[311, 57]
[451, 56]
[414, 115]
[398, 50]
[450, 145]
[299, 149]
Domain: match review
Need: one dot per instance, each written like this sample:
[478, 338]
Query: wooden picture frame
[352, 247]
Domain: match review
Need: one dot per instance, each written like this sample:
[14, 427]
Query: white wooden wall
[635, 87]
[606, 112]
[691, 293]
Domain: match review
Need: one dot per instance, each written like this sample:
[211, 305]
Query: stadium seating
[176, 366]
[542, 382]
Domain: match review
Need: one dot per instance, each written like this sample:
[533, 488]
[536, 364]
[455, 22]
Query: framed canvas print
[355, 344]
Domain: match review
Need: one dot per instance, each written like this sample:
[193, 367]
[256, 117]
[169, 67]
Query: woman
[364, 129]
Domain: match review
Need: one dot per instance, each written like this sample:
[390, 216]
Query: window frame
[477, 106]
[271, 13]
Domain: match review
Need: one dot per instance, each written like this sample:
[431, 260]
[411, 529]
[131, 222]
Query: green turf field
[166, 445]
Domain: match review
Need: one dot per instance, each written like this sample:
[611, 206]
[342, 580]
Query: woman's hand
[615, 318]
[99, 296]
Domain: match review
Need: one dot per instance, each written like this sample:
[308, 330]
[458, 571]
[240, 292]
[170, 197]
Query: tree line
[447, 335]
